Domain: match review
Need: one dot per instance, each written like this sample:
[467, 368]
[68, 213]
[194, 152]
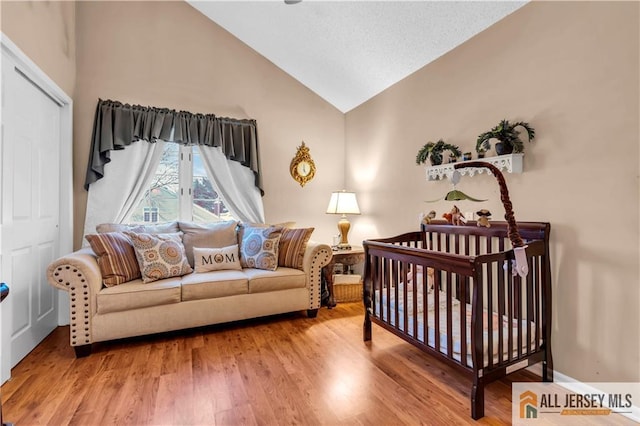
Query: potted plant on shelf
[508, 137]
[433, 152]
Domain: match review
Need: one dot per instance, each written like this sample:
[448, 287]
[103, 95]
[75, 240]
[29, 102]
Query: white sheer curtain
[114, 197]
[235, 183]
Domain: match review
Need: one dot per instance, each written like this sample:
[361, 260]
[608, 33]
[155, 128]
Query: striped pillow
[293, 244]
[116, 258]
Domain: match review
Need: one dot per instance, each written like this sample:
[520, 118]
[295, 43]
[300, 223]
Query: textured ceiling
[349, 51]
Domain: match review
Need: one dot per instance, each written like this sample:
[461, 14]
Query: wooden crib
[452, 292]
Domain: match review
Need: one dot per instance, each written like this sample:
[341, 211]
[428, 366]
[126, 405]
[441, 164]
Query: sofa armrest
[78, 273]
[316, 256]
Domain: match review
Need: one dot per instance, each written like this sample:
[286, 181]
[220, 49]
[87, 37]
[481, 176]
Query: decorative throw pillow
[293, 244]
[116, 257]
[209, 235]
[259, 247]
[160, 256]
[216, 259]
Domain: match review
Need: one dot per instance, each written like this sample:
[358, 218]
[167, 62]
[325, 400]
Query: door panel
[30, 209]
[46, 298]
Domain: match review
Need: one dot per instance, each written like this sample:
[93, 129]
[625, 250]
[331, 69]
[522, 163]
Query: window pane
[160, 203]
[208, 206]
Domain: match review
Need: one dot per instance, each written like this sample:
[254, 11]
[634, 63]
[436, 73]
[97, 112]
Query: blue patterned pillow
[160, 256]
[259, 247]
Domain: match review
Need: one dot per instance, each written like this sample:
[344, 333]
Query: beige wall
[167, 54]
[571, 70]
[45, 32]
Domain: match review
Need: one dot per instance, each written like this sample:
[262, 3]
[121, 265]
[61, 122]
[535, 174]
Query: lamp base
[343, 227]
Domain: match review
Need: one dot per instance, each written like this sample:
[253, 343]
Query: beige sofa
[99, 313]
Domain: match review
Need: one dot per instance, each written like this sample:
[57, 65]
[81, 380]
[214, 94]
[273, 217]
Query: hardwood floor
[287, 369]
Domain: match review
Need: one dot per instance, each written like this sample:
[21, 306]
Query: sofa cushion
[209, 285]
[292, 246]
[162, 228]
[136, 294]
[216, 259]
[259, 246]
[160, 256]
[209, 235]
[115, 256]
[261, 281]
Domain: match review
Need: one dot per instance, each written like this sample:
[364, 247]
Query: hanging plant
[508, 137]
[432, 151]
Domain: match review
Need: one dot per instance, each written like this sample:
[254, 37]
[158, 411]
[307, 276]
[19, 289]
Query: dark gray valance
[118, 125]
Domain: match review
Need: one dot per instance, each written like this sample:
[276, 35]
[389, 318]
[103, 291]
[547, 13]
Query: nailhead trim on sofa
[79, 307]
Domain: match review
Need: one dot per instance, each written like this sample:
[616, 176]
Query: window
[181, 190]
[150, 214]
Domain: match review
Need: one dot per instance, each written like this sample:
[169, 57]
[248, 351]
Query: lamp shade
[343, 202]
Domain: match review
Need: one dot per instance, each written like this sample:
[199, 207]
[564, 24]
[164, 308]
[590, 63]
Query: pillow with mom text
[216, 259]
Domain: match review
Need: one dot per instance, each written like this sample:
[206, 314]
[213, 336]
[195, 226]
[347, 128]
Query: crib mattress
[527, 327]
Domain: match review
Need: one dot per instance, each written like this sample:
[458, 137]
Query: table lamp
[344, 203]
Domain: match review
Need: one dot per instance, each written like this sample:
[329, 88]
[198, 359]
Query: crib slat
[501, 313]
[510, 304]
[466, 244]
[385, 275]
[536, 298]
[530, 317]
[425, 312]
[374, 283]
[414, 282]
[464, 294]
[447, 243]
[394, 285]
[517, 312]
[449, 319]
[476, 324]
[405, 296]
[436, 305]
[489, 285]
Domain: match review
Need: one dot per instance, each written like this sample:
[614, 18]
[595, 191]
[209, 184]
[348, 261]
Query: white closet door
[29, 223]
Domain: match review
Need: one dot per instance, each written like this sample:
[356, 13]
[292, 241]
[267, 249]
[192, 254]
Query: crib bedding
[497, 322]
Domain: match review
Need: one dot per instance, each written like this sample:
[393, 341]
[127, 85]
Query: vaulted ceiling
[349, 51]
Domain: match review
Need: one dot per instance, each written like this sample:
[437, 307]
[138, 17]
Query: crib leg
[477, 399]
[366, 327]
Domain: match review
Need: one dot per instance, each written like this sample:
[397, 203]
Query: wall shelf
[510, 163]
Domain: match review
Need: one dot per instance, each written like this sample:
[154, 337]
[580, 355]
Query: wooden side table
[350, 257]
